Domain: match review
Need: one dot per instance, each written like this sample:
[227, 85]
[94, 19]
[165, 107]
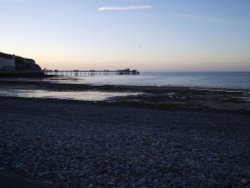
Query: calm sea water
[237, 80]
[68, 95]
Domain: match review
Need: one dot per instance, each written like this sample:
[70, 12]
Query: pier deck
[91, 72]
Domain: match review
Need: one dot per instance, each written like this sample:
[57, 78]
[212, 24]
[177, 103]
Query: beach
[79, 144]
[124, 94]
[235, 101]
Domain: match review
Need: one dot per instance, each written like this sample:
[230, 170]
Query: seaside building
[7, 63]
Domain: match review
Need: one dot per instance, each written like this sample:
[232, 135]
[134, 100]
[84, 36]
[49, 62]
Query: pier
[90, 72]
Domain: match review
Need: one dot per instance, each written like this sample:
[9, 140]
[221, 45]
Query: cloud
[130, 7]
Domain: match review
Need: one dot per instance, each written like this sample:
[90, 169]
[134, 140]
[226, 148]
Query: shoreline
[75, 144]
[136, 105]
[48, 84]
[29, 75]
[166, 98]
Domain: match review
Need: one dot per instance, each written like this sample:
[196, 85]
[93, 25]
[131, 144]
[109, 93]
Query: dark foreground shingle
[8, 180]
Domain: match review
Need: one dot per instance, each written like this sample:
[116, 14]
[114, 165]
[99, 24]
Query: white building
[7, 64]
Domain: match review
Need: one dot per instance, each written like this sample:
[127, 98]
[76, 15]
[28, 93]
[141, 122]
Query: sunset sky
[148, 35]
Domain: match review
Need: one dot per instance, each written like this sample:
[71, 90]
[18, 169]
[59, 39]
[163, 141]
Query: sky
[148, 35]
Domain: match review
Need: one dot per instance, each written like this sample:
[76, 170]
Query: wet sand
[79, 144]
[169, 98]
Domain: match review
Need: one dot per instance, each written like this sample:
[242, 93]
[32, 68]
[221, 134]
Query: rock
[245, 181]
[12, 63]
[143, 180]
[26, 65]
[140, 170]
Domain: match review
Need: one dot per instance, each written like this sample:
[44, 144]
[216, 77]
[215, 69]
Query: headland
[12, 66]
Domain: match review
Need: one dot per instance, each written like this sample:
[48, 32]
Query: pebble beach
[76, 144]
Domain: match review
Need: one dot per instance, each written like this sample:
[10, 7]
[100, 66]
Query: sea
[208, 80]
[230, 80]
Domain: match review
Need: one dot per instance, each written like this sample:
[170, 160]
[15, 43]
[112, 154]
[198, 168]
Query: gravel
[91, 145]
